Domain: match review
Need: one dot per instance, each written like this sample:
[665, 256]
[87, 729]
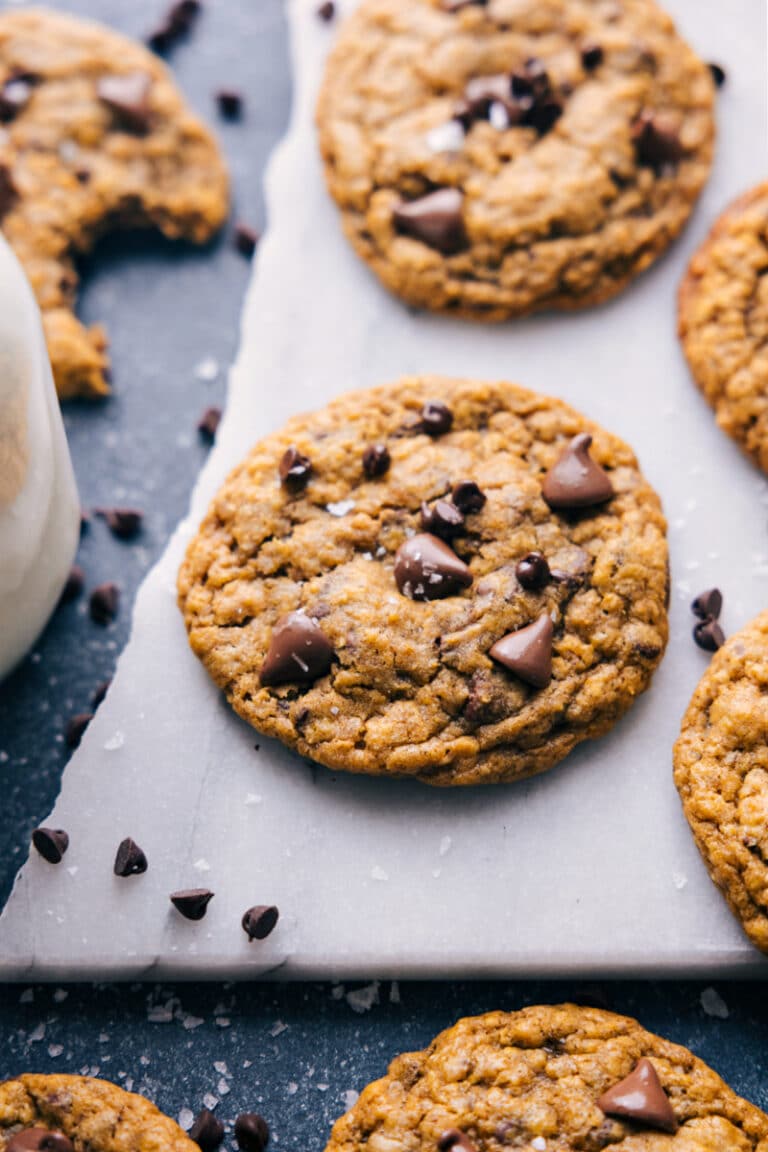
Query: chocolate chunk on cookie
[438, 619]
[97, 139]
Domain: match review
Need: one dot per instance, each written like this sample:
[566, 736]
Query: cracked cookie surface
[721, 772]
[92, 1114]
[723, 321]
[74, 166]
[411, 689]
[554, 215]
[531, 1080]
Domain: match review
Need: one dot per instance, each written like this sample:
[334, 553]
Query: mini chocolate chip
[130, 860]
[544, 114]
[126, 95]
[435, 219]
[528, 652]
[230, 103]
[592, 55]
[8, 192]
[436, 418]
[74, 585]
[104, 602]
[192, 903]
[15, 94]
[100, 693]
[468, 497]
[39, 1140]
[251, 1132]
[82, 175]
[531, 80]
[427, 569]
[575, 480]
[718, 74]
[294, 469]
[533, 571]
[708, 605]
[443, 519]
[246, 239]
[327, 11]
[207, 1132]
[76, 726]
[125, 523]
[208, 424]
[299, 652]
[657, 141]
[640, 1097]
[51, 843]
[376, 460]
[259, 921]
[455, 1138]
[709, 635]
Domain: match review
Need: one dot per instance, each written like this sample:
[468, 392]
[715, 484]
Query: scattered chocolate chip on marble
[295, 469]
[208, 424]
[51, 843]
[656, 140]
[127, 97]
[640, 1097]
[468, 497]
[176, 24]
[251, 1132]
[442, 519]
[709, 635]
[206, 1131]
[74, 585]
[592, 55]
[76, 726]
[708, 605]
[192, 903]
[299, 652]
[124, 523]
[455, 1138]
[436, 219]
[436, 418]
[427, 569]
[15, 94]
[104, 602]
[376, 460]
[576, 481]
[718, 74]
[533, 572]
[246, 239]
[230, 103]
[258, 922]
[528, 652]
[326, 11]
[130, 860]
[39, 1140]
[100, 693]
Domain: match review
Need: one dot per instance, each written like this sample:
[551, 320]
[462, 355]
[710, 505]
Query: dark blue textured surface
[292, 1052]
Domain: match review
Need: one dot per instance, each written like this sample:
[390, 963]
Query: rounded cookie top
[723, 321]
[80, 1112]
[436, 578]
[548, 1078]
[721, 772]
[494, 159]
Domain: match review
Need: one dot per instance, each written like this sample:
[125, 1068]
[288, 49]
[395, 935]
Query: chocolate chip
[436, 418]
[442, 519]
[103, 603]
[435, 219]
[376, 460]
[457, 5]
[192, 903]
[125, 523]
[76, 726]
[230, 103]
[468, 497]
[482, 91]
[708, 605]
[39, 1140]
[100, 693]
[246, 239]
[327, 11]
[161, 39]
[130, 860]
[295, 469]
[8, 193]
[82, 175]
[528, 652]
[709, 635]
[455, 1138]
[592, 55]
[15, 94]
[533, 571]
[259, 921]
[575, 480]
[299, 652]
[251, 1132]
[126, 95]
[427, 569]
[51, 843]
[640, 1097]
[74, 585]
[657, 141]
[207, 1132]
[208, 424]
[544, 114]
[718, 74]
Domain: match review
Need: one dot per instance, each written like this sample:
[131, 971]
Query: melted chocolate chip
[299, 652]
[130, 859]
[657, 141]
[39, 1140]
[230, 103]
[15, 94]
[246, 239]
[436, 219]
[708, 605]
[576, 481]
[126, 96]
[442, 519]
[76, 726]
[208, 424]
[295, 469]
[427, 569]
[251, 1132]
[436, 418]
[718, 74]
[125, 523]
[709, 635]
[192, 903]
[376, 460]
[640, 1097]
[468, 497]
[528, 652]
[259, 921]
[103, 603]
[533, 571]
[51, 843]
[592, 55]
[455, 1138]
[74, 585]
[207, 1132]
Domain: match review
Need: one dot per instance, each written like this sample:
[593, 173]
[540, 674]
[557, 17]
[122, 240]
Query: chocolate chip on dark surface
[192, 903]
[259, 921]
[455, 1138]
[533, 571]
[251, 1132]
[295, 469]
[8, 193]
[124, 523]
[376, 460]
[51, 843]
[576, 480]
[230, 103]
[657, 141]
[718, 74]
[436, 418]
[326, 11]
[127, 96]
[130, 859]
[104, 602]
[709, 635]
[74, 585]
[436, 219]
[528, 652]
[427, 569]
[39, 1140]
[468, 497]
[208, 424]
[640, 1097]
[100, 693]
[299, 652]
[15, 94]
[246, 239]
[206, 1131]
[708, 605]
[592, 55]
[76, 726]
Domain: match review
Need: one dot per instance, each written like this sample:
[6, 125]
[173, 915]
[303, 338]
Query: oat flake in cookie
[70, 1113]
[335, 623]
[498, 158]
[721, 772]
[554, 1079]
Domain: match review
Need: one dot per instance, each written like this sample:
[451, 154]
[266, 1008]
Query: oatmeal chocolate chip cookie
[723, 321]
[721, 772]
[495, 159]
[94, 136]
[69, 1113]
[438, 578]
[553, 1079]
